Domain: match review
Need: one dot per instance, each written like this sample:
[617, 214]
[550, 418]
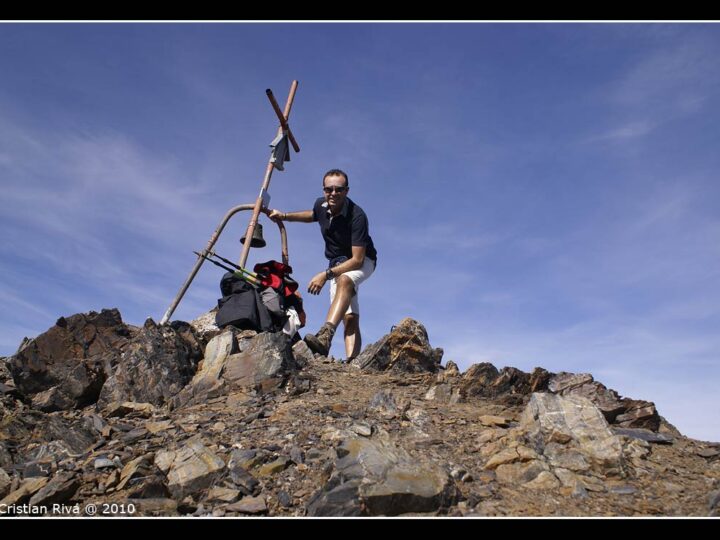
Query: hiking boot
[320, 343]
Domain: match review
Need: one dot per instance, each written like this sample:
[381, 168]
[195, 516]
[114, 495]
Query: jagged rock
[491, 421]
[264, 364]
[115, 409]
[69, 363]
[52, 399]
[406, 349]
[635, 450]
[451, 369]
[140, 466]
[274, 467]
[7, 384]
[622, 411]
[510, 384]
[302, 353]
[190, 469]
[249, 505]
[420, 420]
[223, 495]
[443, 393]
[362, 429]
[55, 440]
[511, 455]
[384, 403]
[204, 326]
[708, 452]
[155, 365]
[78, 434]
[245, 482]
[714, 503]
[5, 483]
[284, 499]
[60, 489]
[208, 381]
[643, 434]
[639, 414]
[544, 480]
[560, 456]
[577, 417]
[378, 478]
[155, 507]
[28, 488]
[519, 473]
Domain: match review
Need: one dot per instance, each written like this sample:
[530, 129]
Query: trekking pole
[223, 259]
[237, 273]
[263, 197]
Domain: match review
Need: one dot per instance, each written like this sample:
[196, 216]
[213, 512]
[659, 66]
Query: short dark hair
[337, 172]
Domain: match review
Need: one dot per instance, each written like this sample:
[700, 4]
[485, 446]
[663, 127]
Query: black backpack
[241, 306]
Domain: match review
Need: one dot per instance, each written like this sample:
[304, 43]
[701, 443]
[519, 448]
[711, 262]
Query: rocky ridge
[185, 419]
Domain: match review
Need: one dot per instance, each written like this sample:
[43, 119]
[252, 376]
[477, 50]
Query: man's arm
[354, 263]
[318, 281]
[305, 216]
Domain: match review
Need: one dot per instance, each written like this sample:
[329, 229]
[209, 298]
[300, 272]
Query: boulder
[378, 478]
[67, 366]
[406, 349]
[154, 366]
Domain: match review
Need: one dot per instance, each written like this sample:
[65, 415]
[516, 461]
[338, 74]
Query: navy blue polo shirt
[349, 228]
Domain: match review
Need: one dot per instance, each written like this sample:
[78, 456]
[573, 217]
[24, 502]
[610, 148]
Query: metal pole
[266, 183]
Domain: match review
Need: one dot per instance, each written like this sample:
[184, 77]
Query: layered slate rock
[55, 440]
[239, 359]
[378, 478]
[208, 381]
[406, 349]
[512, 386]
[624, 412]
[59, 490]
[509, 384]
[155, 365]
[572, 433]
[8, 390]
[5, 483]
[67, 366]
[192, 468]
[264, 364]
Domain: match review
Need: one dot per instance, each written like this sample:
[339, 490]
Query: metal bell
[257, 239]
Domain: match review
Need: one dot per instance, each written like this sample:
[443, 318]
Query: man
[352, 259]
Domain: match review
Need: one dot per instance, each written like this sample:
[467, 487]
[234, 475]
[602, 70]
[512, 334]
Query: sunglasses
[338, 189]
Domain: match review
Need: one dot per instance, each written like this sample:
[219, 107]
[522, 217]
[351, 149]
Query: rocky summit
[98, 417]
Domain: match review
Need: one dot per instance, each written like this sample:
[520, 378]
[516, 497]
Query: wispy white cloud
[671, 75]
[672, 82]
[630, 130]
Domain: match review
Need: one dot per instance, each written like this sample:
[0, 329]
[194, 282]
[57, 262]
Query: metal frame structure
[208, 249]
[260, 205]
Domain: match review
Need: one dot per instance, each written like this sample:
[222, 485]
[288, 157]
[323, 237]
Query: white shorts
[357, 277]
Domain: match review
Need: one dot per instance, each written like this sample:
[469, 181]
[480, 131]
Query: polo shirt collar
[343, 210]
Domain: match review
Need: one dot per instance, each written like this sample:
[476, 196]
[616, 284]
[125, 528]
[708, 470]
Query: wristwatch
[329, 274]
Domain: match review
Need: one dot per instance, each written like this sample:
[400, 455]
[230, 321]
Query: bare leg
[344, 290]
[353, 340]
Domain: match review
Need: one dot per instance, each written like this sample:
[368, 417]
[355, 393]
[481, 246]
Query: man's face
[335, 198]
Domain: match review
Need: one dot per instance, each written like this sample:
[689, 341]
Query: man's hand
[317, 283]
[276, 215]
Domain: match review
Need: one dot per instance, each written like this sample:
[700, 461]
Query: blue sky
[539, 194]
